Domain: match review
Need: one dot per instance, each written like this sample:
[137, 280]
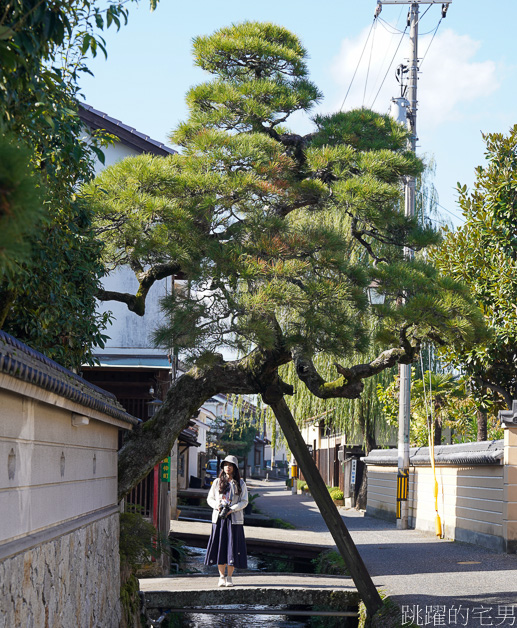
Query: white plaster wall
[470, 500]
[113, 154]
[53, 472]
[192, 463]
[129, 333]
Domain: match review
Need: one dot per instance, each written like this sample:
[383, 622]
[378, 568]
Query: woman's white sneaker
[229, 582]
[222, 582]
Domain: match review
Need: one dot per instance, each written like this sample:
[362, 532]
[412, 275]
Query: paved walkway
[477, 587]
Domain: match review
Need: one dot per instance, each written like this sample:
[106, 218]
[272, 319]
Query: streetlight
[374, 296]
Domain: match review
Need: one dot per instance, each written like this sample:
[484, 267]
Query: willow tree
[279, 237]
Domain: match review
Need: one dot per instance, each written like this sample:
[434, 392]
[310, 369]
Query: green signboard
[165, 470]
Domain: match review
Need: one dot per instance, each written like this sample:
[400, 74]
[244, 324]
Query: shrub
[330, 562]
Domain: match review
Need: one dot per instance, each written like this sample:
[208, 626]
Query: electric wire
[394, 31]
[369, 63]
[436, 220]
[449, 212]
[432, 39]
[386, 55]
[389, 68]
[423, 14]
[385, 25]
[428, 32]
[357, 67]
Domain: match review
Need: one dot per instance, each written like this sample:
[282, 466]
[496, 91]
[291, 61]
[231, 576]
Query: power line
[359, 62]
[389, 67]
[449, 211]
[432, 39]
[369, 63]
[395, 30]
[385, 25]
[386, 54]
[423, 14]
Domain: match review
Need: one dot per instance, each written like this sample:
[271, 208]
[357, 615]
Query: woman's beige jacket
[238, 502]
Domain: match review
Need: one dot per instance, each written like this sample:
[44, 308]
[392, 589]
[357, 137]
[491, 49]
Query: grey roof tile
[484, 452]
[24, 363]
[96, 119]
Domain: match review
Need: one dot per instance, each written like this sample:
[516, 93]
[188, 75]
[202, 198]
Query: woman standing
[228, 497]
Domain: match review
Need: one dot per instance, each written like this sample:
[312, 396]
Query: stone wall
[72, 580]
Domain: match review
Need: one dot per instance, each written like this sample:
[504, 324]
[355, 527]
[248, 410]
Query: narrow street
[474, 586]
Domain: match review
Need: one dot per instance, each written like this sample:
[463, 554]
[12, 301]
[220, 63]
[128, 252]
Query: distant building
[131, 367]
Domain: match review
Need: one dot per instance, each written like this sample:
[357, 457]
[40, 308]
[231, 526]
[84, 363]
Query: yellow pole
[438, 523]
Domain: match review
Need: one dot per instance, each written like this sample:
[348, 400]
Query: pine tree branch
[292, 141]
[358, 235]
[146, 279]
[122, 297]
[350, 384]
[153, 440]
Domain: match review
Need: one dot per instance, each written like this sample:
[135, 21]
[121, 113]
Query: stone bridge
[320, 595]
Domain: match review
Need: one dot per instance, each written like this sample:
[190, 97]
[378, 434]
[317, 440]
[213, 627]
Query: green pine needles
[277, 236]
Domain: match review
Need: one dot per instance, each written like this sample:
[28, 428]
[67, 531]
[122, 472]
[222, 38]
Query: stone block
[56, 585]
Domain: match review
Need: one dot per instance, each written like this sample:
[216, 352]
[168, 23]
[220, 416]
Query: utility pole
[407, 106]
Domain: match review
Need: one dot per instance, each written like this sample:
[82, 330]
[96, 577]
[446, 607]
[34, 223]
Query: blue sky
[467, 83]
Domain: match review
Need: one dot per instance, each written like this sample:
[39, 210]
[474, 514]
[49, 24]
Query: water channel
[194, 563]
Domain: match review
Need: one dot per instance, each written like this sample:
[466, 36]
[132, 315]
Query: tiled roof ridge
[482, 452]
[24, 363]
[127, 128]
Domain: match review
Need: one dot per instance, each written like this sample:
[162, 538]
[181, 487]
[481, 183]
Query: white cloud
[449, 80]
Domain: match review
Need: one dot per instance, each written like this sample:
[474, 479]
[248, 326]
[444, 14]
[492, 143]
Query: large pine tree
[279, 236]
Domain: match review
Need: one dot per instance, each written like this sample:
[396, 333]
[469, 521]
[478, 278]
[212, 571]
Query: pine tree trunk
[326, 506]
[152, 441]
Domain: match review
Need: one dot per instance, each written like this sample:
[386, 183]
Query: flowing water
[194, 563]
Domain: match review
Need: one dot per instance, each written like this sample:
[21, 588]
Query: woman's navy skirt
[227, 545]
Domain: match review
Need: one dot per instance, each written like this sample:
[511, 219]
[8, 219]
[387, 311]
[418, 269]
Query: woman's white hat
[231, 459]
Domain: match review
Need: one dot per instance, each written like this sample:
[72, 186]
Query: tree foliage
[289, 232]
[20, 208]
[286, 234]
[483, 254]
[440, 401]
[234, 437]
[47, 290]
